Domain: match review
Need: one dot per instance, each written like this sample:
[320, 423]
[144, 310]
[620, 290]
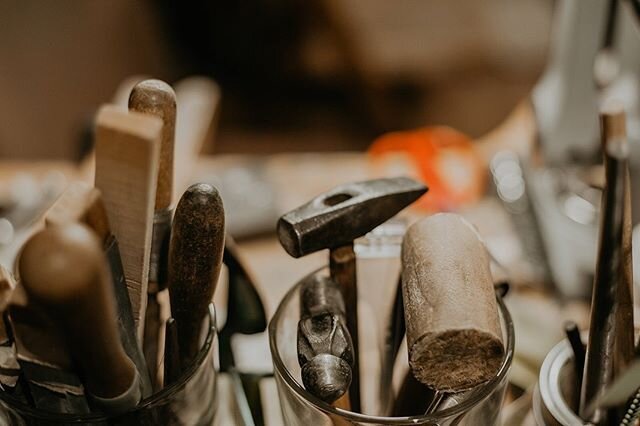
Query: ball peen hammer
[333, 220]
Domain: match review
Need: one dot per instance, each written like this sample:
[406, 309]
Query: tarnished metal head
[345, 213]
[324, 334]
[320, 294]
[327, 377]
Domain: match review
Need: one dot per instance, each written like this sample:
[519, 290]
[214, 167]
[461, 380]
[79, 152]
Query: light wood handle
[157, 98]
[127, 152]
[64, 270]
[453, 326]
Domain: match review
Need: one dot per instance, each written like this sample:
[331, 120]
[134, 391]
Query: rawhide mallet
[453, 325]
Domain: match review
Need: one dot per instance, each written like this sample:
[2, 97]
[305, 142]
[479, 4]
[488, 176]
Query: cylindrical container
[191, 400]
[556, 396]
[481, 406]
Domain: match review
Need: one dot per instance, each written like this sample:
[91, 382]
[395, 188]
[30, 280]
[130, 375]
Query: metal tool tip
[327, 377]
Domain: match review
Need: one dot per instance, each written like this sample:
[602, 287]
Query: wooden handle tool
[81, 203]
[195, 258]
[64, 270]
[127, 155]
[451, 314]
[156, 98]
[610, 346]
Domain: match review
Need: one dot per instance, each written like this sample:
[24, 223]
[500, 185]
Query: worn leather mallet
[453, 327]
[64, 270]
[334, 220]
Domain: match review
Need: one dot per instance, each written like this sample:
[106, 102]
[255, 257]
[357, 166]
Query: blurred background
[315, 75]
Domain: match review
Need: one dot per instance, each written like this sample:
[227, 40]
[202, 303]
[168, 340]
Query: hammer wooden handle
[453, 326]
[64, 270]
[195, 258]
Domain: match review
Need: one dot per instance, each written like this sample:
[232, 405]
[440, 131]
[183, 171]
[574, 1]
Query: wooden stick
[64, 270]
[127, 156]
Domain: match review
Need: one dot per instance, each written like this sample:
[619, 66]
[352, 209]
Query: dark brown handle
[64, 270]
[195, 257]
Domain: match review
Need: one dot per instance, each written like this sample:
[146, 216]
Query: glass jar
[191, 400]
[480, 406]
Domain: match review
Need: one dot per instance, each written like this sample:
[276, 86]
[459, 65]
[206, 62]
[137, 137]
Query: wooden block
[127, 156]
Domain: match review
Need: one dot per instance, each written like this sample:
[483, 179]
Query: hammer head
[347, 212]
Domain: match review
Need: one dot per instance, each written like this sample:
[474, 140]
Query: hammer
[334, 220]
[453, 327]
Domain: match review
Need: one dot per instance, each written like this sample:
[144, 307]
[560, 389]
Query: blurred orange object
[446, 161]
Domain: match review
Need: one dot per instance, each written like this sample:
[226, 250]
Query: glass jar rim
[475, 396]
[165, 393]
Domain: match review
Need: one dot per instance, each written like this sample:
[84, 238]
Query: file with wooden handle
[156, 98]
[195, 258]
[127, 155]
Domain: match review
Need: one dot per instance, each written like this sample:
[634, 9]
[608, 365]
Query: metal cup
[555, 397]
